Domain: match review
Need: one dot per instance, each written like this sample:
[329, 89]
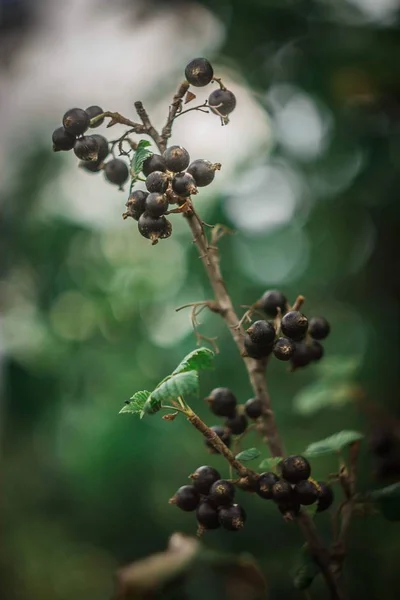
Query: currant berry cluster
[292, 337]
[223, 403]
[213, 500]
[294, 487]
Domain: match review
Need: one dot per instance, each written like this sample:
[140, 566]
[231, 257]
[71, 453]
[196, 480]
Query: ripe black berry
[301, 356]
[92, 112]
[86, 148]
[290, 510]
[222, 433]
[294, 325]
[203, 478]
[199, 72]
[222, 492]
[222, 102]
[253, 408]
[256, 351]
[232, 517]
[319, 328]
[236, 424]
[183, 184]
[186, 498]
[265, 484]
[202, 171]
[156, 204]
[262, 333]
[325, 496]
[282, 492]
[62, 140]
[222, 402]
[157, 181]
[136, 203]
[271, 301]
[92, 166]
[154, 228]
[176, 158]
[316, 350]
[116, 171]
[103, 149]
[295, 468]
[155, 162]
[283, 348]
[76, 121]
[306, 492]
[207, 515]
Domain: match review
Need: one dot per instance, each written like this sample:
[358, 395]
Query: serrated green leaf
[305, 571]
[140, 155]
[249, 454]
[388, 500]
[136, 403]
[181, 384]
[199, 359]
[270, 464]
[333, 443]
[322, 394]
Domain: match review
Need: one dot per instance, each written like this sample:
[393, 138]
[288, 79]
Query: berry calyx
[265, 483]
[271, 300]
[155, 162]
[76, 121]
[186, 498]
[116, 172]
[223, 433]
[294, 325]
[295, 468]
[136, 204]
[232, 517]
[203, 171]
[316, 350]
[319, 328]
[156, 204]
[222, 492]
[199, 72]
[222, 402]
[306, 492]
[102, 144]
[237, 424]
[283, 348]
[183, 184]
[255, 350]
[207, 515]
[62, 140]
[325, 496]
[92, 112]
[261, 332]
[86, 148]
[157, 181]
[282, 492]
[203, 478]
[253, 408]
[222, 102]
[301, 356]
[154, 228]
[176, 158]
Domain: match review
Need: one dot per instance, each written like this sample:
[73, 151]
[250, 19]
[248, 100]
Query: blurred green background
[87, 305]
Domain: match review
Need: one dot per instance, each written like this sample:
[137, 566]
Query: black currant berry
[183, 184]
[271, 301]
[256, 351]
[86, 148]
[295, 468]
[265, 484]
[294, 325]
[203, 478]
[306, 492]
[301, 356]
[232, 517]
[186, 498]
[176, 158]
[62, 140]
[290, 510]
[325, 496]
[222, 102]
[92, 166]
[207, 515]
[156, 204]
[222, 433]
[155, 162]
[153, 228]
[222, 492]
[282, 492]
[316, 350]
[319, 328]
[253, 408]
[283, 348]
[199, 72]
[202, 171]
[261, 332]
[136, 203]
[157, 181]
[92, 112]
[222, 402]
[76, 121]
[116, 171]
[102, 143]
[236, 424]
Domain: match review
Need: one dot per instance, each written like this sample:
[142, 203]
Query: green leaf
[199, 359]
[306, 570]
[339, 367]
[388, 500]
[249, 454]
[140, 155]
[334, 443]
[322, 394]
[270, 464]
[136, 403]
[181, 384]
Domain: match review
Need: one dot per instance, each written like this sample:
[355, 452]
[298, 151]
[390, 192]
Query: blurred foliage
[88, 319]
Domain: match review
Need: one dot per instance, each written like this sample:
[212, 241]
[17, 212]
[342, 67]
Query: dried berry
[283, 348]
[199, 72]
[202, 171]
[253, 408]
[222, 402]
[176, 158]
[222, 492]
[222, 102]
[237, 424]
[207, 515]
[86, 148]
[294, 325]
[62, 140]
[156, 204]
[116, 172]
[183, 184]
[295, 468]
[92, 112]
[76, 121]
[155, 162]
[232, 517]
[271, 301]
[265, 484]
[186, 498]
[203, 478]
[319, 328]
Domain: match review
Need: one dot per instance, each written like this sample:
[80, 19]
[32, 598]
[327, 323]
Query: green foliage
[333, 443]
[249, 454]
[199, 359]
[305, 571]
[182, 384]
[140, 155]
[270, 464]
[388, 501]
[136, 403]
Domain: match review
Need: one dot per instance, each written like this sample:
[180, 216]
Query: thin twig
[144, 117]
[176, 106]
[198, 107]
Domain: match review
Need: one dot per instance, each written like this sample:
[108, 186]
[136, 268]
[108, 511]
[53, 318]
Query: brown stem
[175, 107]
[150, 130]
